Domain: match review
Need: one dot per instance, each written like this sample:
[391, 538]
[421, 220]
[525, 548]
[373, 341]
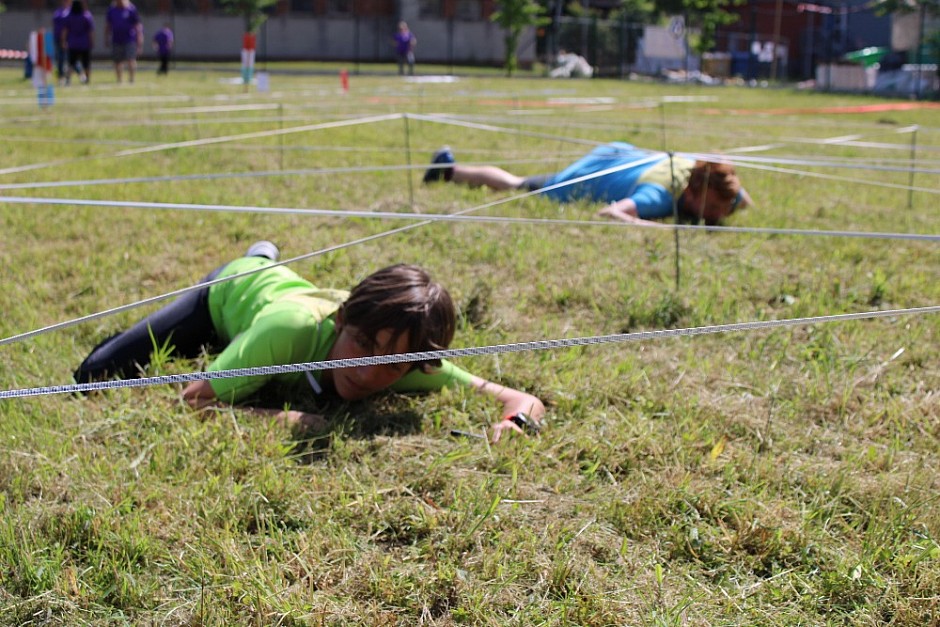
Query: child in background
[644, 187]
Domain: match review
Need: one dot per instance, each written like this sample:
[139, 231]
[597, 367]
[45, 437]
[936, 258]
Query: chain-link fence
[609, 46]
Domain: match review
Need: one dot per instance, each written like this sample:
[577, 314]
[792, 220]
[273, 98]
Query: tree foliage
[514, 16]
[885, 7]
[705, 15]
[254, 12]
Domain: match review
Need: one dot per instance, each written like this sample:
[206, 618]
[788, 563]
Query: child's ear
[338, 325]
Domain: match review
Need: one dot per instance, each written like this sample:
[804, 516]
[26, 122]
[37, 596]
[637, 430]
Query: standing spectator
[78, 37]
[405, 42]
[126, 35]
[163, 43]
[58, 24]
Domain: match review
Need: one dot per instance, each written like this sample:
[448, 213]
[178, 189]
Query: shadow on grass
[386, 415]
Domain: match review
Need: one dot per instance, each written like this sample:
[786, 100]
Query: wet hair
[716, 177]
[404, 299]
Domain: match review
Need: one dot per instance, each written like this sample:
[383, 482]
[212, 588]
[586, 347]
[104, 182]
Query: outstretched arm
[200, 395]
[624, 210]
[514, 402]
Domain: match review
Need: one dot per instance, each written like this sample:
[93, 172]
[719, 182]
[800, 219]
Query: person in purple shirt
[163, 43]
[78, 37]
[126, 35]
[58, 24]
[405, 42]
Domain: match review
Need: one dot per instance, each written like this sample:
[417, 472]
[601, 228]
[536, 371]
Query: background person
[273, 316]
[704, 190]
[163, 44]
[59, 17]
[78, 37]
[125, 33]
[405, 42]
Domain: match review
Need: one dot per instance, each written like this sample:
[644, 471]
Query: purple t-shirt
[58, 22]
[164, 40]
[403, 42]
[124, 23]
[79, 29]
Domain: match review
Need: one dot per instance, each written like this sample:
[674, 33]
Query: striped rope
[496, 349]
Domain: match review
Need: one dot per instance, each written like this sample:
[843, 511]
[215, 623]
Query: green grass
[774, 477]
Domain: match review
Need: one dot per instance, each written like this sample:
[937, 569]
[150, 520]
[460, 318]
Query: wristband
[522, 421]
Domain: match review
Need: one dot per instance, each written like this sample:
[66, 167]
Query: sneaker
[264, 248]
[442, 156]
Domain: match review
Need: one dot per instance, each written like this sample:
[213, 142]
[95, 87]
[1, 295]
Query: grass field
[768, 477]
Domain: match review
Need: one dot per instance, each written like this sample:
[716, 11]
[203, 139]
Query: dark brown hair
[403, 298]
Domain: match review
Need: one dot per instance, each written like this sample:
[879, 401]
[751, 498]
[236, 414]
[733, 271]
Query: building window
[432, 8]
[301, 6]
[468, 10]
[339, 7]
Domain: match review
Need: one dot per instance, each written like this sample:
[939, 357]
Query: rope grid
[752, 162]
[424, 218]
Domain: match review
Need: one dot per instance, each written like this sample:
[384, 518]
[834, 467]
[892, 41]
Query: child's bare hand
[504, 425]
[303, 422]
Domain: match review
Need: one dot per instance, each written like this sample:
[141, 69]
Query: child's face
[361, 381]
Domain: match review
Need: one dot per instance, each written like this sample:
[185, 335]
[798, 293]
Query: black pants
[532, 183]
[185, 325]
[164, 64]
[80, 59]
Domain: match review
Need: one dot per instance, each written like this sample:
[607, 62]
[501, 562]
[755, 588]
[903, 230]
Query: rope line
[845, 140]
[821, 163]
[844, 179]
[250, 174]
[738, 160]
[461, 217]
[217, 140]
[499, 129]
[162, 297]
[495, 349]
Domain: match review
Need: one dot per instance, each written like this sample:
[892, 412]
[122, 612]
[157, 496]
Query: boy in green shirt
[273, 316]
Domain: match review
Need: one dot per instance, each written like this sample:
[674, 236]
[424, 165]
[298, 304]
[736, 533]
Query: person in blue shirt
[634, 184]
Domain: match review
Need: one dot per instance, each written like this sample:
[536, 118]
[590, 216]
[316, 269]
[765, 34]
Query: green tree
[514, 16]
[884, 7]
[253, 11]
[705, 15]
